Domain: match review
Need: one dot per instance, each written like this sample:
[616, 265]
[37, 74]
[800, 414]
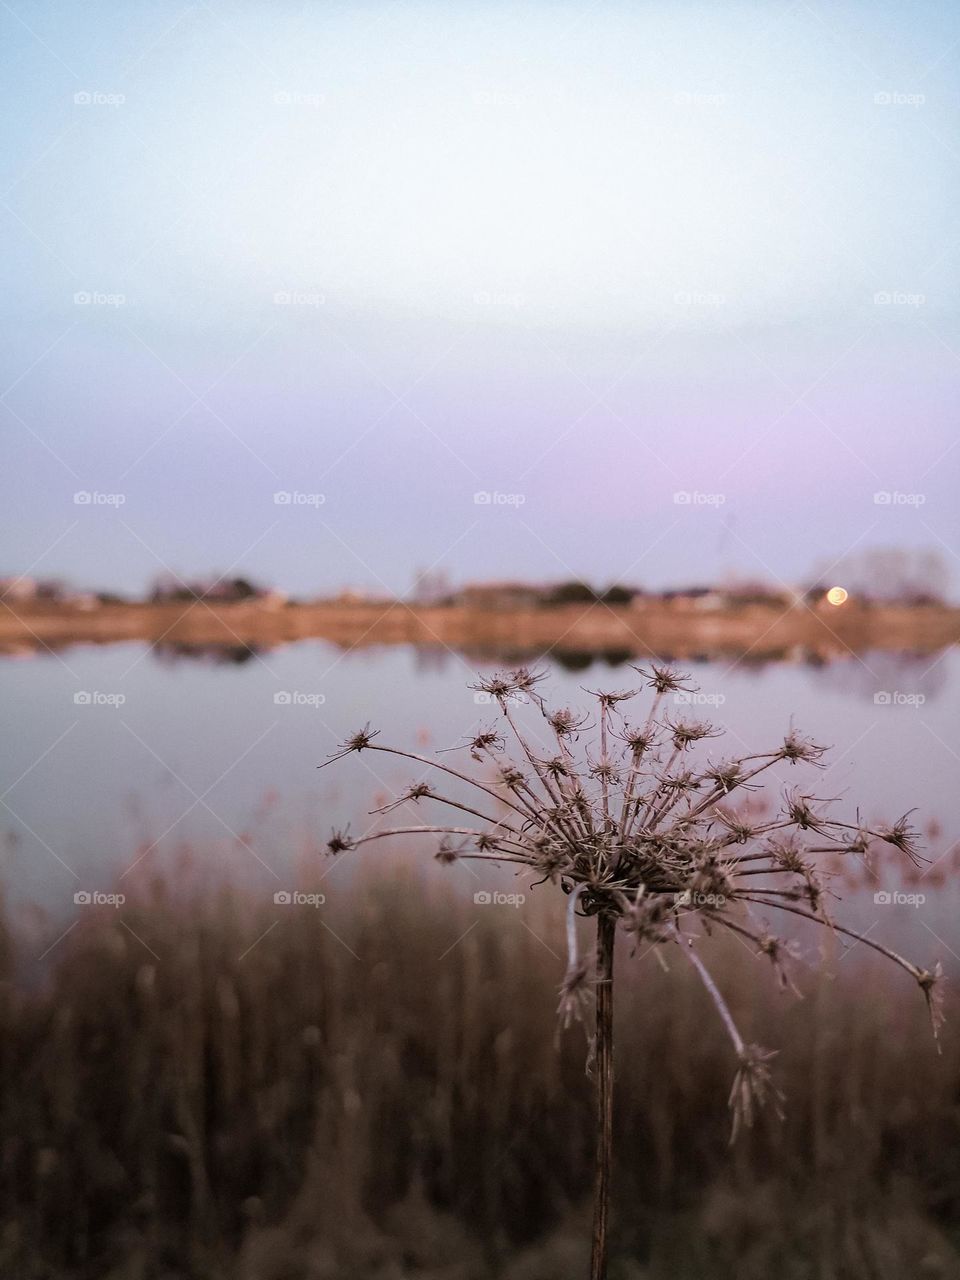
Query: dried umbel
[641, 829]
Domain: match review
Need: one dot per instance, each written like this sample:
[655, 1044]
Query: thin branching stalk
[603, 1070]
[652, 841]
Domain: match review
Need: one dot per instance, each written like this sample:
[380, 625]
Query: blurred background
[349, 350]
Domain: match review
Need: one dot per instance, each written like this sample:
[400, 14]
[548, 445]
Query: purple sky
[397, 259]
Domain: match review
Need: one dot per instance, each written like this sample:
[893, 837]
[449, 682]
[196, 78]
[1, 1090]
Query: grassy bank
[756, 631]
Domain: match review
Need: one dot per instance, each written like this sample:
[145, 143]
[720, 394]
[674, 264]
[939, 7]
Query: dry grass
[378, 1107]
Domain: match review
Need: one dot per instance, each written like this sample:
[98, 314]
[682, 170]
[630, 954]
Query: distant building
[738, 594]
[431, 586]
[500, 595]
[695, 597]
[17, 588]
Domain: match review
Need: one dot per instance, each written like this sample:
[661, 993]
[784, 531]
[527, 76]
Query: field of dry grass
[202, 1084]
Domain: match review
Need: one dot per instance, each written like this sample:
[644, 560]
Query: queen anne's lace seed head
[640, 831]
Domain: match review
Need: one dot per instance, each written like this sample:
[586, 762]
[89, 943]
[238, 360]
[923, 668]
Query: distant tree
[571, 593]
[618, 595]
[242, 588]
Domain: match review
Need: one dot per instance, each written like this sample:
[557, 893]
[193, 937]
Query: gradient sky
[586, 256]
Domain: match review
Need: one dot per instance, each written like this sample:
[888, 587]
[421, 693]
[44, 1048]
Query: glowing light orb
[837, 595]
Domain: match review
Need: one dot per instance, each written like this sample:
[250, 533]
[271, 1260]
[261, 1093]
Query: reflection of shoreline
[758, 631]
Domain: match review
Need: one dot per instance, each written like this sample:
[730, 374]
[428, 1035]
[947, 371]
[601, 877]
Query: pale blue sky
[590, 255]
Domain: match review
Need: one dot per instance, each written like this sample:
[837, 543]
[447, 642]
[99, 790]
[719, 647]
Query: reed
[374, 1089]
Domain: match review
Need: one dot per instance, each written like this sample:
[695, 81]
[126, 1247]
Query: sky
[327, 294]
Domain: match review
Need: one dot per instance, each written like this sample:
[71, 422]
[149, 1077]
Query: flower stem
[606, 937]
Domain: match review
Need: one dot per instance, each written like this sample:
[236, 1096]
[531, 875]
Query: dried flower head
[752, 1087]
[339, 842]
[685, 733]
[642, 837]
[566, 723]
[795, 747]
[665, 679]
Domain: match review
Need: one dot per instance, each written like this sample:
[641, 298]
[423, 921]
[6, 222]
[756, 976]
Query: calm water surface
[217, 754]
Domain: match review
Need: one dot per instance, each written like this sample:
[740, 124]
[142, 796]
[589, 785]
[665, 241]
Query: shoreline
[631, 631]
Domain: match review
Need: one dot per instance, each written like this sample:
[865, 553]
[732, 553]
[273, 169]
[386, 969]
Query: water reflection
[216, 748]
[901, 679]
[216, 655]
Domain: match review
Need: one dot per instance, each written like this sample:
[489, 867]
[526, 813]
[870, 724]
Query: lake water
[120, 759]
